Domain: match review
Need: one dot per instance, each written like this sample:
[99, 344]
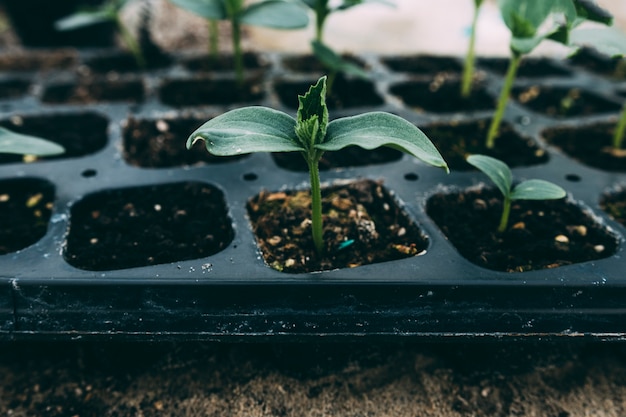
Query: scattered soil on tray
[161, 143]
[540, 235]
[206, 90]
[25, 208]
[140, 226]
[563, 102]
[591, 145]
[352, 156]
[457, 140]
[362, 225]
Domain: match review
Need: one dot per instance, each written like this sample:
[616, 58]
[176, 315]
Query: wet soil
[540, 234]
[140, 226]
[590, 144]
[362, 225]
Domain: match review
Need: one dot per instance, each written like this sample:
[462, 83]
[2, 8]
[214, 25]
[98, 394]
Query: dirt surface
[347, 380]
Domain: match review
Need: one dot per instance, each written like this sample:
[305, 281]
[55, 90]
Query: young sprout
[501, 175]
[109, 11]
[261, 129]
[530, 23]
[275, 14]
[468, 67]
[17, 143]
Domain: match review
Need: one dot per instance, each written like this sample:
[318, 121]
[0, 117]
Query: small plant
[17, 143]
[261, 129]
[110, 11]
[501, 175]
[532, 22]
[275, 14]
[468, 67]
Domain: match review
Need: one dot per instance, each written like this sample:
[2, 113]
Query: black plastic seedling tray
[232, 294]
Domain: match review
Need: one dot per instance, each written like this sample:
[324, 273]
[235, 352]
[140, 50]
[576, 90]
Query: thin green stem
[317, 226]
[330, 79]
[504, 219]
[238, 56]
[468, 69]
[502, 100]
[131, 43]
[620, 130]
[213, 39]
[321, 13]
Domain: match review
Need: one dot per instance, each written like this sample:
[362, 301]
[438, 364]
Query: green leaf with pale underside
[247, 130]
[275, 14]
[537, 190]
[209, 9]
[17, 143]
[372, 130]
[497, 171]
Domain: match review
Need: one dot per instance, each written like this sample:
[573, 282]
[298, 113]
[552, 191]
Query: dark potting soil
[615, 205]
[161, 143]
[124, 62]
[149, 225]
[92, 90]
[33, 60]
[12, 88]
[351, 156]
[346, 93]
[80, 133]
[25, 209]
[206, 90]
[362, 225]
[223, 62]
[528, 68]
[457, 140]
[540, 234]
[424, 64]
[600, 64]
[591, 145]
[310, 63]
[442, 94]
[563, 102]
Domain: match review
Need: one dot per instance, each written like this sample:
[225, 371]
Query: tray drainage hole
[88, 173]
[411, 176]
[250, 176]
[573, 177]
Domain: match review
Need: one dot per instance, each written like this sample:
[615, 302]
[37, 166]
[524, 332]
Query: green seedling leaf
[275, 14]
[497, 171]
[609, 41]
[247, 130]
[17, 143]
[334, 62]
[83, 19]
[375, 129]
[312, 117]
[537, 190]
[588, 10]
[209, 9]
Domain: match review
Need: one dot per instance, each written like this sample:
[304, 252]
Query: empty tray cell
[457, 140]
[57, 59]
[562, 102]
[597, 63]
[94, 91]
[352, 156]
[540, 234]
[25, 208]
[310, 63]
[589, 144]
[346, 93]
[80, 133]
[428, 65]
[149, 225]
[206, 91]
[160, 143]
[363, 224]
[13, 88]
[442, 95]
[529, 67]
[224, 62]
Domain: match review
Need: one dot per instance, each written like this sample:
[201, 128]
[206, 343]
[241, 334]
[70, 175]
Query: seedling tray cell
[201, 276]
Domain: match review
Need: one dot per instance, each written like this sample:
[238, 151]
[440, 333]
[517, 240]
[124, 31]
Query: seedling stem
[503, 100]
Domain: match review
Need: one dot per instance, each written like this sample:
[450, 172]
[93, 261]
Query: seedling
[17, 143]
[261, 129]
[501, 175]
[109, 11]
[275, 14]
[468, 68]
[531, 22]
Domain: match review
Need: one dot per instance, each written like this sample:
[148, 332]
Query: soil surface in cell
[591, 145]
[528, 68]
[150, 225]
[456, 141]
[615, 205]
[43, 60]
[362, 225]
[540, 234]
[25, 208]
[562, 102]
[310, 63]
[351, 156]
[93, 90]
[424, 64]
[223, 62]
[161, 143]
[599, 64]
[205, 91]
